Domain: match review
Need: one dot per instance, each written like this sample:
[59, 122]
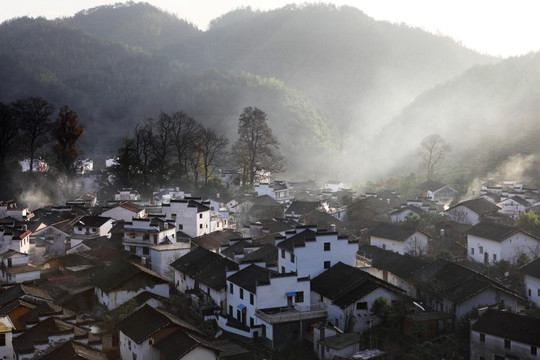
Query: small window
[361, 305]
[2, 339]
[292, 258]
[481, 249]
[146, 251]
[80, 228]
[230, 310]
[472, 251]
[146, 237]
[533, 350]
[327, 264]
[482, 337]
[180, 227]
[241, 293]
[200, 216]
[150, 342]
[129, 344]
[231, 289]
[494, 257]
[326, 246]
[299, 298]
[538, 292]
[94, 229]
[251, 299]
[507, 344]
[132, 249]
[200, 226]
[283, 253]
[283, 269]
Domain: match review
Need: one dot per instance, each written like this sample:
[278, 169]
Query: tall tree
[67, 132]
[211, 147]
[34, 118]
[432, 150]
[183, 131]
[8, 133]
[256, 146]
[128, 165]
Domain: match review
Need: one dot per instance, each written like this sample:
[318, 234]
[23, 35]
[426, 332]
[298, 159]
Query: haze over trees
[433, 149]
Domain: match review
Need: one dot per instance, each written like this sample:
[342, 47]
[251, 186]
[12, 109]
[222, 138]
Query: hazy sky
[496, 27]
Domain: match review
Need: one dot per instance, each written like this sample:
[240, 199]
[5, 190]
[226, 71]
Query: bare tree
[256, 146]
[34, 119]
[183, 129]
[432, 150]
[211, 147]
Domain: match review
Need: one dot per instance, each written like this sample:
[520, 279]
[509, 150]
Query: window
[533, 350]
[292, 258]
[146, 237]
[384, 246]
[146, 251]
[200, 216]
[231, 288]
[472, 251]
[538, 292]
[173, 216]
[2, 339]
[230, 310]
[507, 344]
[94, 229]
[529, 292]
[326, 246]
[251, 322]
[150, 342]
[481, 249]
[251, 299]
[200, 226]
[180, 227]
[80, 228]
[327, 264]
[132, 249]
[283, 269]
[361, 305]
[241, 293]
[134, 356]
[283, 253]
[299, 298]
[129, 344]
[482, 337]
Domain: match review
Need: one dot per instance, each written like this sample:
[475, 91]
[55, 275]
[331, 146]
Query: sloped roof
[92, 221]
[431, 185]
[510, 326]
[249, 277]
[176, 345]
[299, 207]
[495, 232]
[75, 351]
[323, 220]
[404, 266]
[120, 272]
[216, 239]
[409, 208]
[264, 200]
[19, 290]
[532, 268]
[205, 266]
[392, 231]
[143, 323]
[480, 206]
[267, 253]
[298, 240]
[345, 284]
[520, 201]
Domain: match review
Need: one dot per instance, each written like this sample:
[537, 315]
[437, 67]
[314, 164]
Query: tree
[34, 119]
[67, 132]
[128, 168]
[432, 150]
[256, 146]
[183, 130]
[211, 147]
[529, 222]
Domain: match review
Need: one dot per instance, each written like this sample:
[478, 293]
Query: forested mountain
[329, 78]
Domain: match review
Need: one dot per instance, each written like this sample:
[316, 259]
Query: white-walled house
[513, 206]
[309, 252]
[278, 190]
[93, 226]
[471, 211]
[400, 239]
[488, 243]
[269, 304]
[437, 191]
[53, 238]
[531, 272]
[6, 338]
[404, 212]
[125, 211]
[190, 215]
[15, 268]
[203, 272]
[127, 194]
[504, 335]
[348, 295]
[15, 237]
[329, 343]
[123, 280]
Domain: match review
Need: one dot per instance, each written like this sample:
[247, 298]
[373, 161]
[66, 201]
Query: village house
[278, 190]
[504, 335]
[15, 237]
[308, 251]
[164, 196]
[202, 273]
[267, 304]
[127, 194]
[74, 350]
[6, 338]
[437, 191]
[531, 272]
[125, 211]
[298, 208]
[348, 295]
[455, 289]
[214, 241]
[123, 280]
[328, 343]
[55, 238]
[488, 243]
[190, 216]
[15, 211]
[472, 211]
[15, 268]
[91, 226]
[393, 268]
[405, 213]
[514, 206]
[400, 239]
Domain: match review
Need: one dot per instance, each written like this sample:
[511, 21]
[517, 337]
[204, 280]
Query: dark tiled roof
[121, 272]
[277, 225]
[75, 351]
[404, 266]
[323, 220]
[392, 231]
[19, 290]
[510, 326]
[532, 268]
[521, 201]
[345, 284]
[430, 185]
[480, 206]
[216, 239]
[496, 232]
[298, 240]
[92, 221]
[205, 266]
[267, 253]
[176, 345]
[249, 277]
[264, 200]
[298, 207]
[458, 282]
[414, 209]
[143, 323]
